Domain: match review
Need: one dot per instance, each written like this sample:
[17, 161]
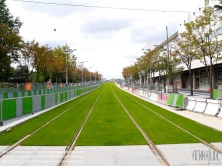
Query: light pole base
[1, 123]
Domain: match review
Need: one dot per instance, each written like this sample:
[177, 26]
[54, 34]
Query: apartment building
[200, 77]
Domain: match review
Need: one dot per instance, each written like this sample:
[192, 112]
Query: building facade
[199, 73]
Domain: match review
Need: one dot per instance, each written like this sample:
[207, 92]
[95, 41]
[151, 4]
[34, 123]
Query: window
[219, 77]
[204, 78]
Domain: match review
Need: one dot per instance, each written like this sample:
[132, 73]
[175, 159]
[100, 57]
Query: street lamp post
[90, 72]
[168, 60]
[82, 69]
[67, 51]
[96, 70]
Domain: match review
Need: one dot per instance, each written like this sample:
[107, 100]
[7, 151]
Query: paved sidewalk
[140, 155]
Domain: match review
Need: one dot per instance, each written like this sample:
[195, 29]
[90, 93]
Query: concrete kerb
[15, 121]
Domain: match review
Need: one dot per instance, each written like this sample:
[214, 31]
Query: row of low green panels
[16, 107]
[176, 100]
[39, 92]
[217, 93]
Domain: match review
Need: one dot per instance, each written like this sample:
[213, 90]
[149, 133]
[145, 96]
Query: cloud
[155, 33]
[129, 57]
[55, 8]
[104, 27]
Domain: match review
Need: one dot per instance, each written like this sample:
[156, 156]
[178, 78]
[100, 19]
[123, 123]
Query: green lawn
[108, 124]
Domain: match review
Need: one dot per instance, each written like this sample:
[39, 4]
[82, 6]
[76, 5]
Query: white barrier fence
[153, 97]
[205, 106]
[191, 103]
[200, 105]
[213, 107]
[220, 114]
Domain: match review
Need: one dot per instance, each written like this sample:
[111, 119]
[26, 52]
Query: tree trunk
[191, 82]
[211, 80]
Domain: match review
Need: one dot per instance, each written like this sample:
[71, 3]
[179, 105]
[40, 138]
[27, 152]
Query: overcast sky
[108, 36]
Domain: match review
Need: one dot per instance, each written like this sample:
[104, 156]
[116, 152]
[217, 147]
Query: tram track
[160, 156]
[65, 158]
[212, 147]
[10, 148]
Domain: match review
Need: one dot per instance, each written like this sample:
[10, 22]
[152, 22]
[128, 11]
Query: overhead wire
[103, 7]
[85, 14]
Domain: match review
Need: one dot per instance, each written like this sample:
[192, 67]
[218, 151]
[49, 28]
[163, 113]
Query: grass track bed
[25, 128]
[109, 124]
[61, 131]
[162, 132]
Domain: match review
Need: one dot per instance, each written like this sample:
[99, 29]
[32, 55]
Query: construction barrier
[141, 93]
[213, 107]
[191, 103]
[162, 98]
[153, 96]
[176, 100]
[200, 105]
[217, 93]
[15, 94]
[220, 114]
[15, 107]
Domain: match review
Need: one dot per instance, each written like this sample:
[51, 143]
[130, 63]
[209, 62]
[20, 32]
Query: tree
[9, 40]
[26, 58]
[169, 67]
[185, 48]
[205, 37]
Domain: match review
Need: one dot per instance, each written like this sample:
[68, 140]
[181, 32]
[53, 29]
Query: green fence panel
[29, 93]
[56, 98]
[61, 97]
[5, 95]
[15, 94]
[26, 105]
[180, 101]
[170, 99]
[215, 93]
[8, 109]
[66, 96]
[43, 102]
[219, 93]
[1, 111]
[23, 93]
[40, 92]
